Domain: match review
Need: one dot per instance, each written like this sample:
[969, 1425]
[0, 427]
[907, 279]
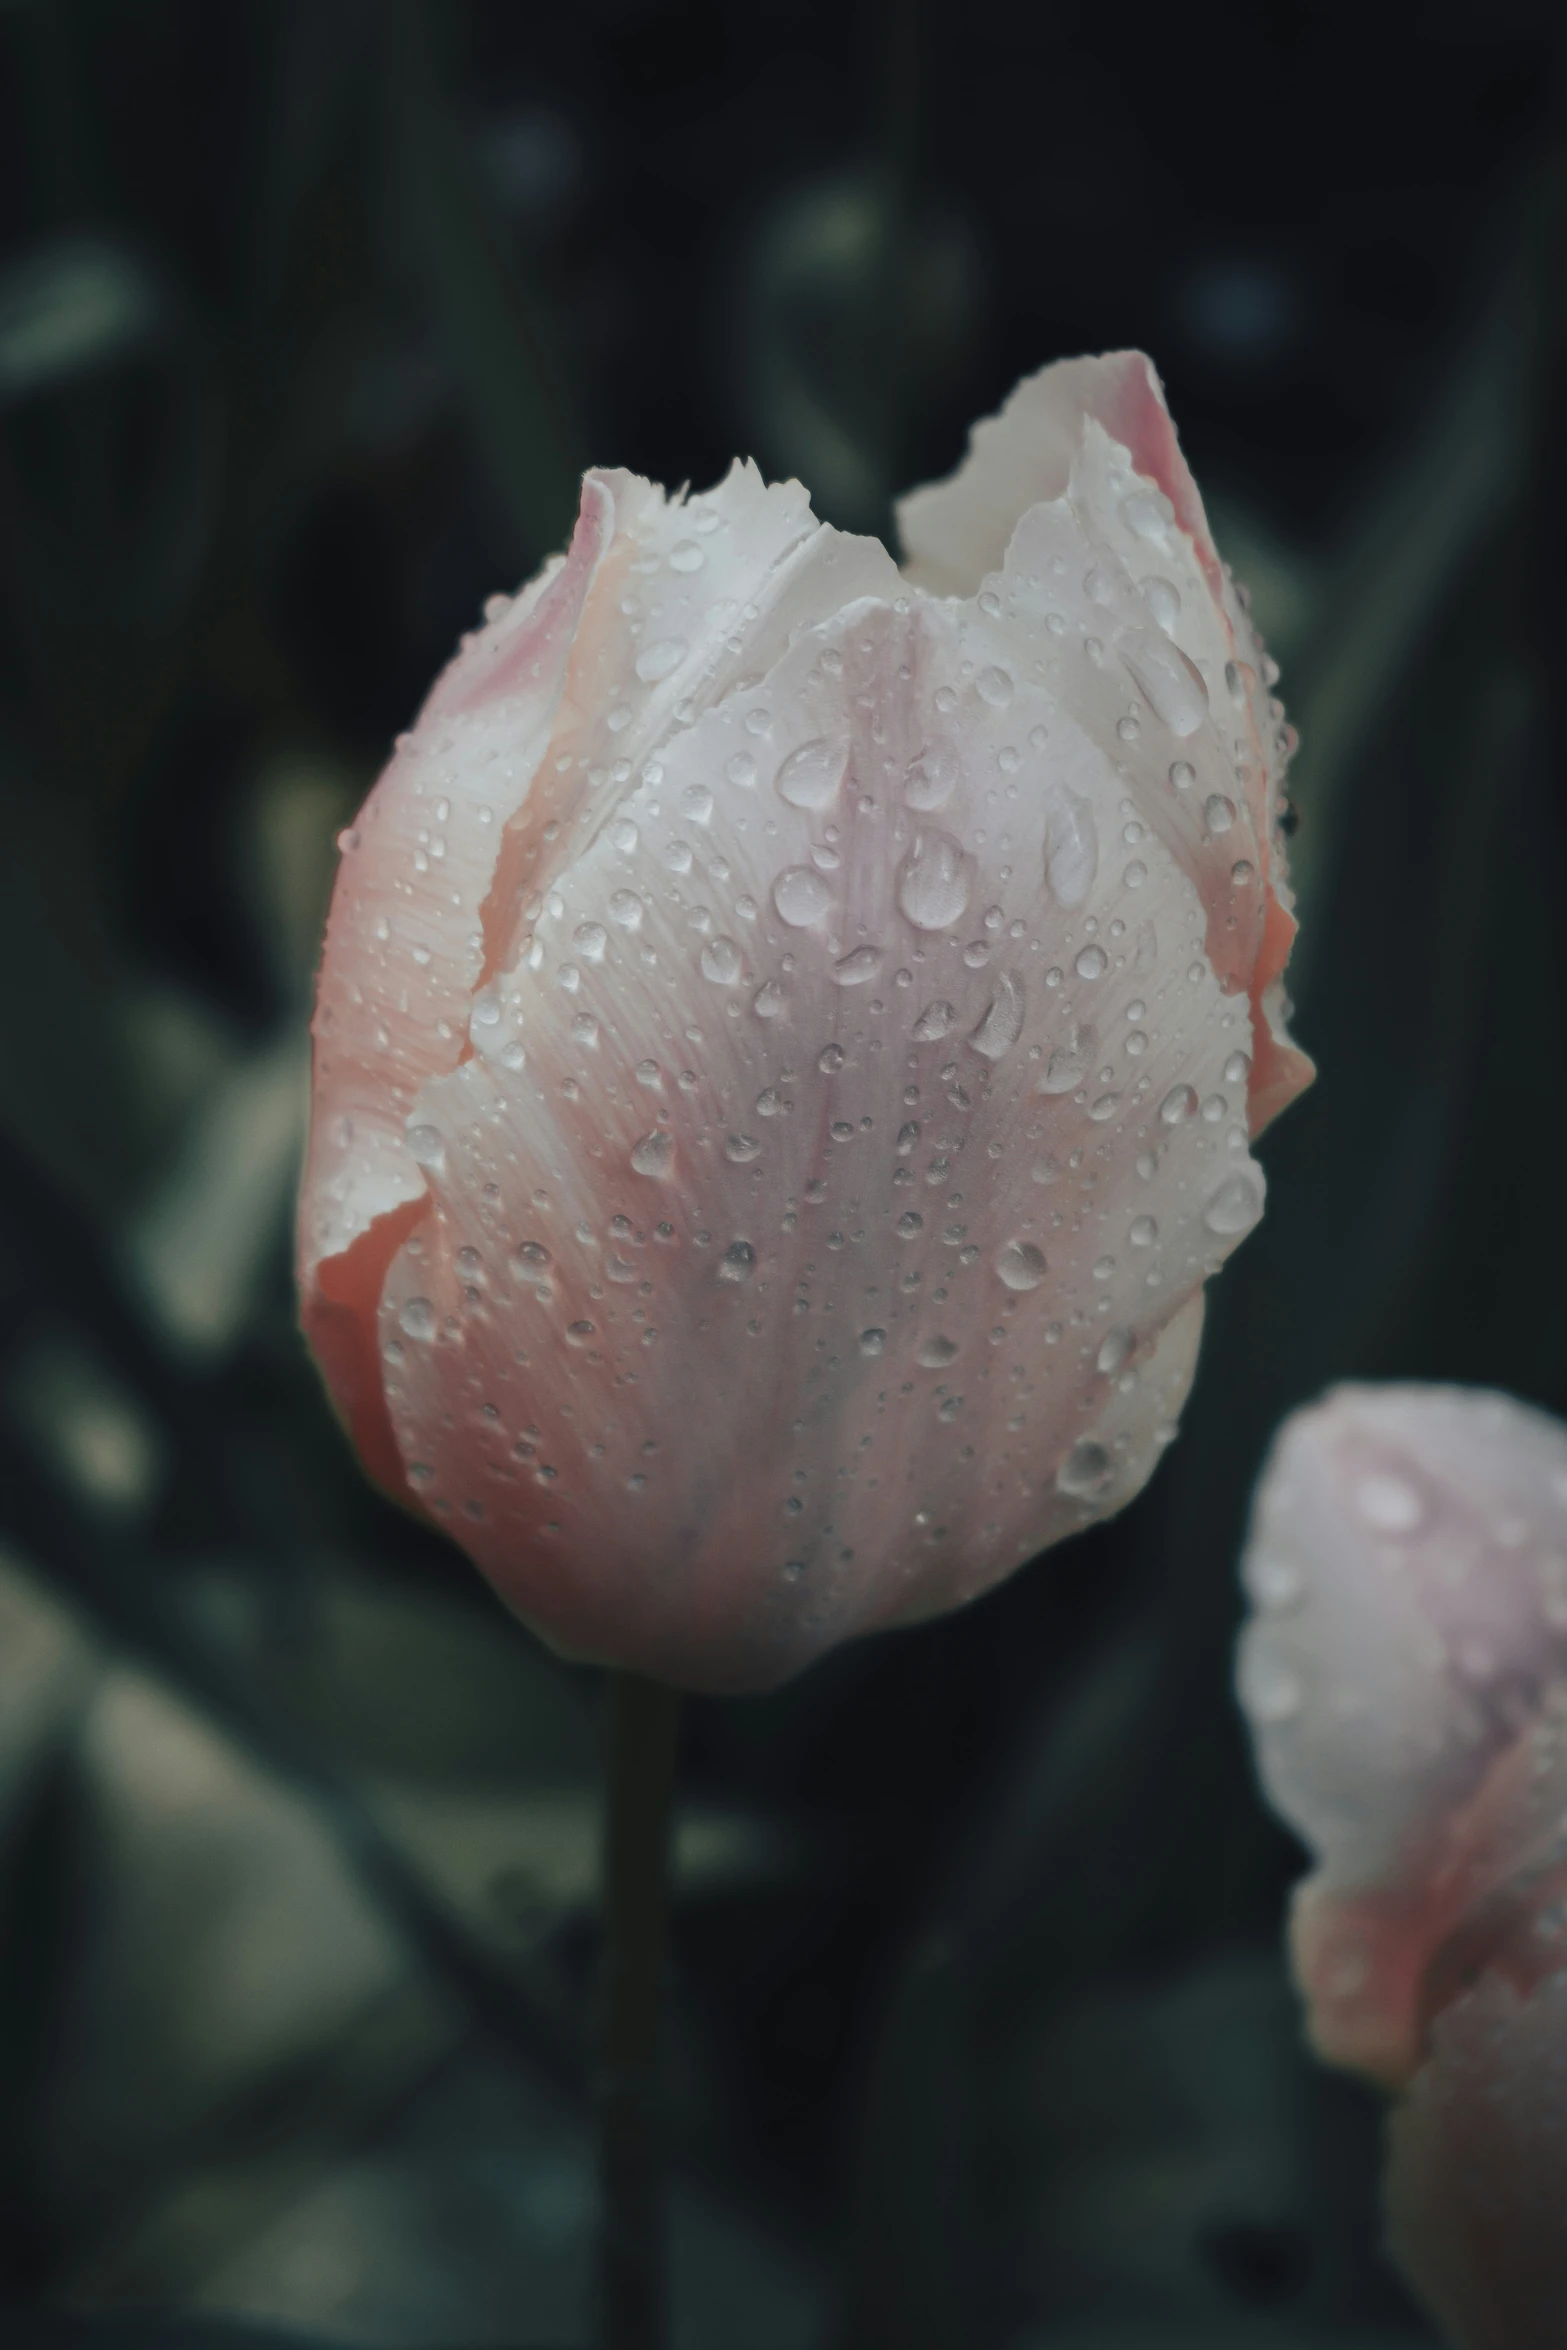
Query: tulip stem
[644, 1721]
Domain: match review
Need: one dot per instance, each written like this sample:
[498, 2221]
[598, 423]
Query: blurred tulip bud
[787, 1040]
[1405, 1672]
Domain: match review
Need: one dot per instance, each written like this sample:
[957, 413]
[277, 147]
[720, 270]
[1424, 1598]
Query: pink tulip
[787, 1039]
[1405, 1671]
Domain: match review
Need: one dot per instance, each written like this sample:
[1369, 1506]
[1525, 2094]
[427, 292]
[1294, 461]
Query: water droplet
[722, 962]
[427, 1145]
[1115, 1351]
[741, 769]
[654, 1155]
[738, 1262]
[1171, 685]
[1163, 601]
[1237, 1068]
[1069, 1064]
[1183, 775]
[590, 939]
[624, 836]
[934, 881]
[935, 1354]
[1071, 847]
[1269, 1691]
[801, 897]
[931, 779]
[1234, 1207]
[908, 1225]
[741, 1149]
[769, 1002]
[995, 687]
[1179, 1103]
[696, 802]
[1002, 1024]
[416, 1318]
[933, 1022]
[1144, 1232]
[531, 1263]
[1274, 1582]
[658, 659]
[686, 555]
[855, 968]
[625, 908]
[1218, 812]
[1085, 1472]
[585, 1029]
[811, 775]
[1021, 1265]
[872, 1342]
[830, 1059]
[1388, 1503]
[1092, 963]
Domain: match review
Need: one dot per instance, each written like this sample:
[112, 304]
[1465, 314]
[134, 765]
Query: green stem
[643, 1729]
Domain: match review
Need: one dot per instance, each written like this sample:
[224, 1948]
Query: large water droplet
[531, 1264]
[427, 1145]
[741, 1149]
[801, 897]
[1085, 1472]
[934, 881]
[1234, 1207]
[1178, 1104]
[810, 776]
[696, 802]
[931, 779]
[625, 908]
[590, 939]
[935, 1353]
[654, 1154]
[1069, 1064]
[722, 962]
[770, 1001]
[658, 659]
[1115, 1351]
[1163, 601]
[934, 1022]
[1071, 846]
[738, 1262]
[872, 1342]
[855, 968]
[995, 687]
[1021, 1265]
[1002, 1024]
[686, 555]
[1171, 684]
[1091, 963]
[416, 1317]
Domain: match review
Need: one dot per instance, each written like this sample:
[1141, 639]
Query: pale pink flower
[1405, 1671]
[787, 1040]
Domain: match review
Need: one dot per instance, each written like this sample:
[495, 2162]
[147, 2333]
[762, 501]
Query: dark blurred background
[310, 313]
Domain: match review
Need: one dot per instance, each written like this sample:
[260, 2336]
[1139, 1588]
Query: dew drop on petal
[590, 939]
[696, 802]
[1178, 1104]
[1092, 963]
[738, 1262]
[741, 1149]
[1069, 1064]
[933, 1022]
[873, 1341]
[625, 909]
[1021, 1265]
[654, 1155]
[1115, 1351]
[426, 1144]
[686, 555]
[1071, 847]
[1234, 1207]
[855, 968]
[801, 897]
[722, 962]
[658, 659]
[931, 779]
[769, 1002]
[1002, 1024]
[811, 775]
[1170, 683]
[1218, 812]
[1085, 1472]
[741, 769]
[995, 687]
[1388, 1503]
[934, 881]
[935, 1353]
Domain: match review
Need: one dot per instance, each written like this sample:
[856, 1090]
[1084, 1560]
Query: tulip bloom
[1406, 1676]
[788, 1037]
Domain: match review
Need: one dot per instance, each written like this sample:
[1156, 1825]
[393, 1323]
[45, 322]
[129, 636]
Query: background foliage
[310, 312]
